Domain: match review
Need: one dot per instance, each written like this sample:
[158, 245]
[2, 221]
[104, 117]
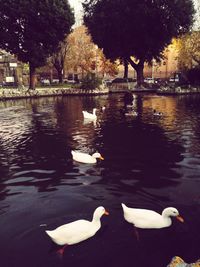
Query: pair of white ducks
[80, 230]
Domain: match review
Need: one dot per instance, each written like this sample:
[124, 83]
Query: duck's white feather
[77, 231]
[90, 116]
[149, 219]
[131, 113]
[84, 157]
[73, 232]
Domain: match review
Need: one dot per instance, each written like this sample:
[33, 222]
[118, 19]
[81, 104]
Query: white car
[55, 81]
[174, 79]
[45, 82]
[149, 80]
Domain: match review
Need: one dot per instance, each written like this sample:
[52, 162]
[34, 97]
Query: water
[149, 163]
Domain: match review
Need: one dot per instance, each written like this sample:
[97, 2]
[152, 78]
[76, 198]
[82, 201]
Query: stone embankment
[121, 87]
[6, 93]
[177, 90]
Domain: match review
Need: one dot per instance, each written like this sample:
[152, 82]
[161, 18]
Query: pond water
[150, 162]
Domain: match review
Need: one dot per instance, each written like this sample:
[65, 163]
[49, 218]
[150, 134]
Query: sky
[76, 4]
[197, 6]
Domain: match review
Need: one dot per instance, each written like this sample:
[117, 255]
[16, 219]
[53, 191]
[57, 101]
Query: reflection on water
[150, 162]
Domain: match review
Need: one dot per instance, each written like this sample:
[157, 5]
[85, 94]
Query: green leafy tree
[137, 31]
[33, 29]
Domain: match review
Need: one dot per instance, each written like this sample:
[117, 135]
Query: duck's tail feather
[123, 206]
[49, 233]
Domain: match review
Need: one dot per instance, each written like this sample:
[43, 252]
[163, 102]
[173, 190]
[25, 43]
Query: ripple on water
[82, 180]
[149, 163]
[34, 171]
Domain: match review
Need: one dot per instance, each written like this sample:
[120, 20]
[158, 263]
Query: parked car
[69, 81]
[123, 80]
[174, 79]
[45, 81]
[108, 81]
[55, 81]
[149, 80]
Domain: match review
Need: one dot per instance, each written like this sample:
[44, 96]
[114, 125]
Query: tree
[81, 51]
[137, 31]
[57, 60]
[83, 55]
[189, 50]
[105, 65]
[32, 29]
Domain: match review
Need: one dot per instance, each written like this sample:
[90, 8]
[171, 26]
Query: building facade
[11, 70]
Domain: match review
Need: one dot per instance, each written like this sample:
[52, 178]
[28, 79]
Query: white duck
[90, 116]
[86, 158]
[77, 231]
[149, 219]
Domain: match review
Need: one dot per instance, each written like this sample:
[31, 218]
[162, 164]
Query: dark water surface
[149, 163]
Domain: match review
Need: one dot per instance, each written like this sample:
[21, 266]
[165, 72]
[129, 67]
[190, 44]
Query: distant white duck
[149, 219]
[86, 158]
[103, 108]
[131, 113]
[90, 116]
[77, 231]
[129, 106]
[156, 113]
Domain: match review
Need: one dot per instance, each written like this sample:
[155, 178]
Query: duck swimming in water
[77, 231]
[149, 219]
[131, 113]
[85, 158]
[90, 116]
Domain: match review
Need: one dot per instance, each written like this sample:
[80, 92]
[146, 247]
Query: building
[10, 69]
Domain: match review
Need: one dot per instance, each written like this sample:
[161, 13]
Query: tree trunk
[60, 76]
[51, 75]
[140, 75]
[125, 69]
[58, 65]
[32, 76]
[139, 70]
[59, 70]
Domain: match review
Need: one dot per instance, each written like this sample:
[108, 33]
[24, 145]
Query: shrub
[90, 81]
[123, 80]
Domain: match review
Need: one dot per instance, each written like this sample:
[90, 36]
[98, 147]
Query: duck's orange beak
[179, 218]
[106, 212]
[101, 158]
